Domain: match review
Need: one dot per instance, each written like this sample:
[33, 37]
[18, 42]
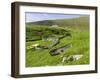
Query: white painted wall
[5, 40]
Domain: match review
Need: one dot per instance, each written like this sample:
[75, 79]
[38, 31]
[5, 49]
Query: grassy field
[41, 57]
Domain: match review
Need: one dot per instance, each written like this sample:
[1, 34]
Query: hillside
[81, 22]
[49, 37]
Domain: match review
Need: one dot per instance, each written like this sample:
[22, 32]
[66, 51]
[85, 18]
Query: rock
[64, 59]
[76, 57]
[71, 58]
[60, 49]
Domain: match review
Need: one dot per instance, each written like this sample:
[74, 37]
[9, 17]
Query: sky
[34, 16]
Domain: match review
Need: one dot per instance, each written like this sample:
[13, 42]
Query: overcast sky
[33, 17]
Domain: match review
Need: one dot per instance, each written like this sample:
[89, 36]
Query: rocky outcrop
[60, 49]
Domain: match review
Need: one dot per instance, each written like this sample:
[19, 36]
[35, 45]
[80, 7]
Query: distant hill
[44, 22]
[82, 22]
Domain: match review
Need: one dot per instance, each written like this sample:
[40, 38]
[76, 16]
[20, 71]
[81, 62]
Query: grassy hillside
[36, 32]
[76, 23]
[77, 35]
[80, 23]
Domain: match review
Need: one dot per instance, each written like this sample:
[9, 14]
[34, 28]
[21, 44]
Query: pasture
[46, 35]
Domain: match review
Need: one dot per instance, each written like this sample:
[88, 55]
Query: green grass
[41, 57]
[78, 28]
